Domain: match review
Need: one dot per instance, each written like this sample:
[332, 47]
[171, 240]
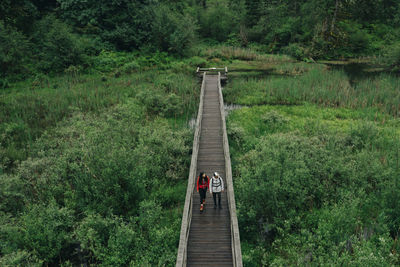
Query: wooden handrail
[225, 69]
[235, 237]
[209, 69]
[187, 210]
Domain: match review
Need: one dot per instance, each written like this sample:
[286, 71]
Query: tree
[124, 24]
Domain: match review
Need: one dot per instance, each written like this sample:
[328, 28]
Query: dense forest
[51, 36]
[96, 102]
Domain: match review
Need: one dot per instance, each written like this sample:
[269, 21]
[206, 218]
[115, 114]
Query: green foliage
[323, 177]
[26, 114]
[46, 230]
[18, 13]
[172, 31]
[13, 193]
[92, 166]
[20, 258]
[296, 51]
[218, 21]
[319, 85]
[392, 56]
[326, 176]
[230, 53]
[14, 53]
[197, 62]
[108, 61]
[130, 67]
[328, 29]
[116, 22]
[103, 185]
[109, 240]
[58, 48]
[41, 232]
[128, 25]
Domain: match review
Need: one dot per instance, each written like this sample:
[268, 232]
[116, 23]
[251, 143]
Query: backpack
[218, 185]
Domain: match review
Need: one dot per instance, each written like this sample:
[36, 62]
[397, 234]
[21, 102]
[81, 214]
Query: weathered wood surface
[187, 210]
[209, 241]
[211, 237]
[235, 237]
[223, 76]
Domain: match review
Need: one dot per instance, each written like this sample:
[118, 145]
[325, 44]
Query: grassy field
[94, 167]
[297, 83]
[316, 164]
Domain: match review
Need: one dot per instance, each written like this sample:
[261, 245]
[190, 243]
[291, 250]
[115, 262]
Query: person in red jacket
[203, 182]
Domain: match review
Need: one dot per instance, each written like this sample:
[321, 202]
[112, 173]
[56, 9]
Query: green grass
[31, 107]
[98, 161]
[324, 176]
[322, 155]
[244, 54]
[255, 118]
[315, 83]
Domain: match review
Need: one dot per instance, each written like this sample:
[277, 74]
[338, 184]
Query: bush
[197, 62]
[295, 50]
[110, 241]
[57, 47]
[47, 230]
[20, 258]
[172, 31]
[218, 21]
[15, 53]
[103, 187]
[130, 67]
[327, 180]
[108, 61]
[392, 56]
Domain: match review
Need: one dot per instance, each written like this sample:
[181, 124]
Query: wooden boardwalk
[209, 241]
[210, 238]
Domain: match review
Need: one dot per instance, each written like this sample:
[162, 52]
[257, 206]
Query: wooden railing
[187, 210]
[235, 237]
[225, 69]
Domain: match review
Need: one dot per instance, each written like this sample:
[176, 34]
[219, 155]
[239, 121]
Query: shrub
[327, 183]
[172, 31]
[20, 258]
[57, 47]
[46, 230]
[392, 56]
[197, 62]
[110, 241]
[130, 67]
[12, 194]
[14, 53]
[295, 50]
[93, 186]
[218, 21]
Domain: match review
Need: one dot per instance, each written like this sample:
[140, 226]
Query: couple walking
[215, 185]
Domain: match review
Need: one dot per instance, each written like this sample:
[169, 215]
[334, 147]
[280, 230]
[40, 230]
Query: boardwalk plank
[209, 241]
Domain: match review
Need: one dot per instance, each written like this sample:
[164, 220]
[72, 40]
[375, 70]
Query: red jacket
[203, 185]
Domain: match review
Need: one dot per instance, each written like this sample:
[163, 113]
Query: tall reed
[318, 85]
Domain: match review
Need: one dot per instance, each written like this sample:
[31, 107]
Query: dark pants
[202, 194]
[215, 198]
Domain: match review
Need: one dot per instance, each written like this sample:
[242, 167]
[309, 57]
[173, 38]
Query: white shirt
[216, 184]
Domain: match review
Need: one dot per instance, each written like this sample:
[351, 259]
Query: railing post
[187, 210]
[235, 237]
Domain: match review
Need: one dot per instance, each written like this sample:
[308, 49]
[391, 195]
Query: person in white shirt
[216, 187]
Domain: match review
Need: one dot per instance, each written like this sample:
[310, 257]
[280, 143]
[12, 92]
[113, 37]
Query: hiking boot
[201, 208]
